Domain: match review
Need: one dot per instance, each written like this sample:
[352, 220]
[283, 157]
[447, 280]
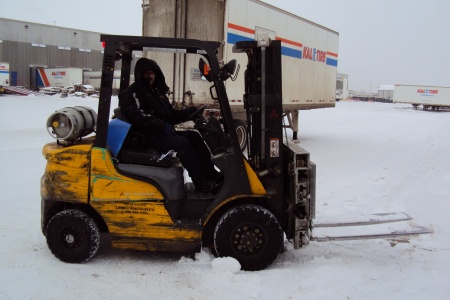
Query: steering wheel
[199, 111]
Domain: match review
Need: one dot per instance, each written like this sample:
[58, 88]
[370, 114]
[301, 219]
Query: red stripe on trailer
[332, 54]
[44, 77]
[252, 31]
[241, 28]
[286, 41]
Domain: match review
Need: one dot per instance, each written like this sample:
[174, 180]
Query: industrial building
[26, 46]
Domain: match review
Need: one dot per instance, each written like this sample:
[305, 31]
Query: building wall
[25, 45]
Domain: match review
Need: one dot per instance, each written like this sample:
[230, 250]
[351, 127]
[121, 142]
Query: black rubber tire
[241, 131]
[73, 236]
[251, 234]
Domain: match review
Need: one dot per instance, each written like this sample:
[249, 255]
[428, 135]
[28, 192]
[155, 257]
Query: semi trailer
[56, 77]
[4, 74]
[433, 97]
[309, 52]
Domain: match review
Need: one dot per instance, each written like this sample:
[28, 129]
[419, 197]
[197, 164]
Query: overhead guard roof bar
[138, 43]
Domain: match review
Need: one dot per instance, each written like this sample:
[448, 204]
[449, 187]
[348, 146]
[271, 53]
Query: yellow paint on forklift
[142, 219]
[223, 203]
[130, 245]
[107, 184]
[255, 183]
[256, 186]
[132, 209]
[66, 176]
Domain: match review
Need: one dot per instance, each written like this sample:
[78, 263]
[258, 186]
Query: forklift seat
[117, 132]
[118, 135]
[146, 164]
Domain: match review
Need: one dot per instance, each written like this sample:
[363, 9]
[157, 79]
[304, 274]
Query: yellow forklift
[92, 184]
[142, 199]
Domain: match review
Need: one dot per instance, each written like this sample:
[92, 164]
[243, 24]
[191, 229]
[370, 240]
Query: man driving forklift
[146, 107]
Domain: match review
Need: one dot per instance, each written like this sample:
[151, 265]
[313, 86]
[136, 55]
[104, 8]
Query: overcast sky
[380, 41]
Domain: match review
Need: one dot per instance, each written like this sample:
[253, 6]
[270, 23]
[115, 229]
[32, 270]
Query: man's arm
[130, 106]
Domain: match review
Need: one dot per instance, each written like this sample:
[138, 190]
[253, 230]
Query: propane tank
[71, 123]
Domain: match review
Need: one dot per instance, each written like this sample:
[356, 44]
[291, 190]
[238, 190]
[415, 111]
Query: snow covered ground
[371, 158]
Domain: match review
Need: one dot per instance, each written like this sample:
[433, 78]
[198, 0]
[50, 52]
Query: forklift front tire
[241, 131]
[73, 236]
[251, 234]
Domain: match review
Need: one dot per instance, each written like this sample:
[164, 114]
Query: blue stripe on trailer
[332, 62]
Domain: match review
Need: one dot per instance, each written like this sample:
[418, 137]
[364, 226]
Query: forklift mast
[263, 105]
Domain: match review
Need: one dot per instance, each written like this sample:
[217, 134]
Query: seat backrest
[118, 114]
[117, 132]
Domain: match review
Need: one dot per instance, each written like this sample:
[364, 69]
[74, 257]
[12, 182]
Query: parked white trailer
[309, 51]
[4, 74]
[386, 92]
[94, 78]
[433, 97]
[58, 77]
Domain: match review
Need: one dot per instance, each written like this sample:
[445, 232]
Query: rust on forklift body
[65, 174]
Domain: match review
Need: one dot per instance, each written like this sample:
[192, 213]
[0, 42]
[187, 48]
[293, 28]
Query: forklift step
[193, 194]
[188, 223]
[196, 195]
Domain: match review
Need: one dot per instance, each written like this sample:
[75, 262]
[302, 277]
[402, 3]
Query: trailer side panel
[309, 50]
[435, 96]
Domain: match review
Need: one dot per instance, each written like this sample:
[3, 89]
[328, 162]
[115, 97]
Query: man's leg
[188, 157]
[202, 152]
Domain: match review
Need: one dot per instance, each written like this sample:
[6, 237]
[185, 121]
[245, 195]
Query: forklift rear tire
[73, 236]
[251, 234]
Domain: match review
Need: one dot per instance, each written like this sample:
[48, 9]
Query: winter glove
[169, 130]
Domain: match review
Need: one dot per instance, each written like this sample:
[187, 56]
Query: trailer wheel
[73, 236]
[251, 234]
[241, 131]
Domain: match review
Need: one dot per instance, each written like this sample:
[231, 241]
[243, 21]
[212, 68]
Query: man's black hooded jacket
[147, 107]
